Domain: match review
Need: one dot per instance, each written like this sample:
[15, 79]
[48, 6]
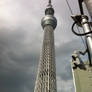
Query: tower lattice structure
[46, 77]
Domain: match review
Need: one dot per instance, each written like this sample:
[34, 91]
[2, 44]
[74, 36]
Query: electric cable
[79, 34]
[81, 37]
[80, 7]
[69, 7]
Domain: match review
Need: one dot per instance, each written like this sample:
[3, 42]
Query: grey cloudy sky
[21, 40]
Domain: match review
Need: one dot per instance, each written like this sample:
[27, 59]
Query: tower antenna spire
[49, 3]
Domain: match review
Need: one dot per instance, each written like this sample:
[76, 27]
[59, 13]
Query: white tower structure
[46, 77]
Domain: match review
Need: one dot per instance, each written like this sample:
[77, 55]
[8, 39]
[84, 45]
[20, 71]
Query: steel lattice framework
[46, 77]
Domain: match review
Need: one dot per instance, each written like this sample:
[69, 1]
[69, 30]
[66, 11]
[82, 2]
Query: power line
[69, 7]
[76, 25]
[81, 36]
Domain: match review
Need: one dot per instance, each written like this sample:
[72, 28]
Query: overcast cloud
[21, 40]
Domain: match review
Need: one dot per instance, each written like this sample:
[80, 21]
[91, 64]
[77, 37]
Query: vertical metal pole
[86, 28]
[89, 6]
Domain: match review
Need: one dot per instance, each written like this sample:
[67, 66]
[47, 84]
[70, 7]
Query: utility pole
[86, 28]
[82, 71]
[82, 21]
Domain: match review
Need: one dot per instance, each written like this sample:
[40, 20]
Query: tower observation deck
[46, 77]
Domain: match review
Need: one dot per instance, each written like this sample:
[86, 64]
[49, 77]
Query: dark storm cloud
[64, 53]
[16, 81]
[21, 39]
[18, 62]
[19, 46]
[69, 47]
[63, 63]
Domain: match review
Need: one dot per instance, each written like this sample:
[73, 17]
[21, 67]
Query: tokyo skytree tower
[46, 77]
